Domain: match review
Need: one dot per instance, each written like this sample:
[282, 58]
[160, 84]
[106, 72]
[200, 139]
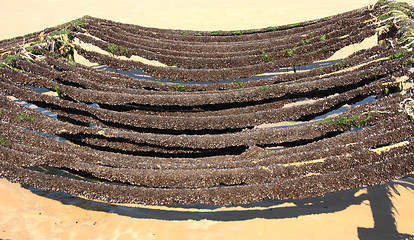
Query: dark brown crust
[163, 144]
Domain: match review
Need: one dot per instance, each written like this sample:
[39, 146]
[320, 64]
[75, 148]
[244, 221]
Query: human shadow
[382, 208]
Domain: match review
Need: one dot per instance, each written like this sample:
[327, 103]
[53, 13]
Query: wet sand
[381, 212]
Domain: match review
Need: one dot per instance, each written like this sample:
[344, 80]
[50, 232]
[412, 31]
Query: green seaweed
[399, 54]
[345, 122]
[22, 117]
[407, 36]
[180, 87]
[250, 31]
[269, 88]
[240, 84]
[391, 14]
[271, 28]
[293, 25]
[306, 41]
[5, 142]
[400, 7]
[60, 33]
[364, 121]
[71, 62]
[340, 64]
[266, 57]
[59, 92]
[116, 50]
[62, 46]
[10, 61]
[289, 52]
[325, 120]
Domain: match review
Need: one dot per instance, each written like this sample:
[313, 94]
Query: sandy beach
[379, 212]
[30, 16]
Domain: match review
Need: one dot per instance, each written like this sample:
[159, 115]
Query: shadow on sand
[379, 197]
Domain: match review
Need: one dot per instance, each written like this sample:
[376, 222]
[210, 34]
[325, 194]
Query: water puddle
[134, 73]
[94, 105]
[138, 74]
[356, 129]
[276, 148]
[49, 135]
[43, 90]
[32, 106]
[331, 114]
[344, 108]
